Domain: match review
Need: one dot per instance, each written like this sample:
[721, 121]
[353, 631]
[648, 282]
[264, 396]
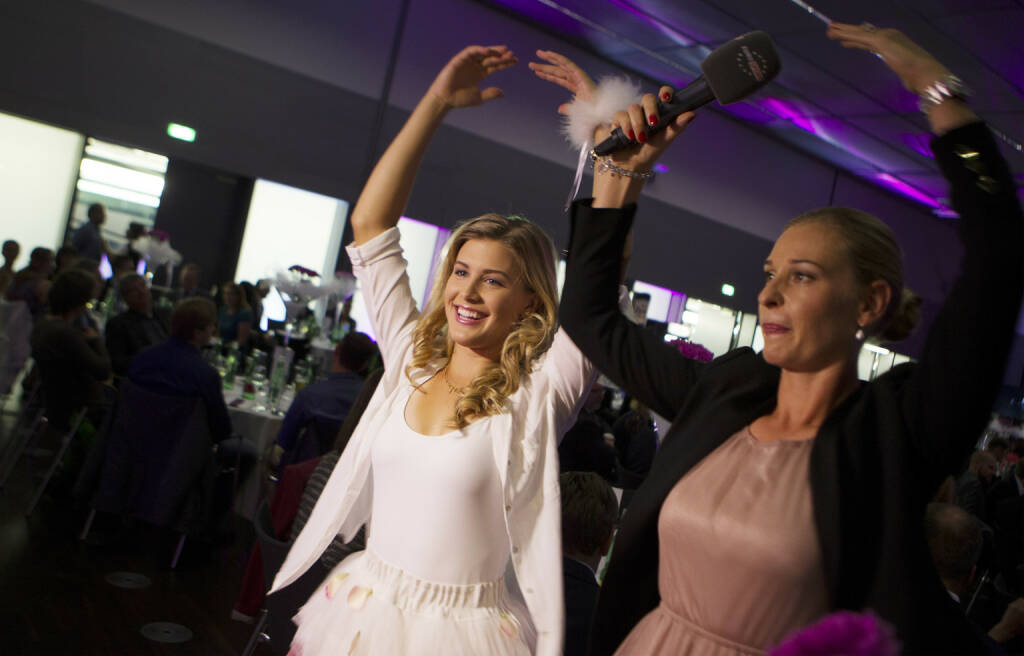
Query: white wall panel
[38, 168]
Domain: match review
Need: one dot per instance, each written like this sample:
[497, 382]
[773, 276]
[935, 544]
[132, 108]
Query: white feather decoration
[583, 117]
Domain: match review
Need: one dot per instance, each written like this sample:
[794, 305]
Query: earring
[859, 335]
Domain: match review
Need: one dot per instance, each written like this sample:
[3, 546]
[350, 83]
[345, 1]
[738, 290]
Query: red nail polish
[642, 137]
[666, 96]
[652, 119]
[632, 135]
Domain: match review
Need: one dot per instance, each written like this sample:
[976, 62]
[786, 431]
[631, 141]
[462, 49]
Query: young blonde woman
[454, 464]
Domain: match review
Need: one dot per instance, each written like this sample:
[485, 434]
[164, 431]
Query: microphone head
[738, 68]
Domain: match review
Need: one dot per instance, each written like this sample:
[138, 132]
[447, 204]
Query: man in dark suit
[177, 368]
[136, 328]
[589, 510]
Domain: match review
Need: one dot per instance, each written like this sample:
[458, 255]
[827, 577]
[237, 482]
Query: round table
[257, 426]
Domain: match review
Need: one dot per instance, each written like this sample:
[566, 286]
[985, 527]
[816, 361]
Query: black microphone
[733, 71]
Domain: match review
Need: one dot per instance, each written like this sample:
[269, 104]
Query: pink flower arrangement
[843, 633]
[692, 350]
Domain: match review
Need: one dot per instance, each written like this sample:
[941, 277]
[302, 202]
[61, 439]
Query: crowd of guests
[89, 336]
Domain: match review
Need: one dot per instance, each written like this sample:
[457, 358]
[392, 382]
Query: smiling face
[809, 307]
[485, 296]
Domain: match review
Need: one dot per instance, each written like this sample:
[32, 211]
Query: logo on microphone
[752, 63]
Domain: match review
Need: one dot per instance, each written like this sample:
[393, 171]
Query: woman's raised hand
[635, 121]
[565, 73]
[458, 83]
[916, 68]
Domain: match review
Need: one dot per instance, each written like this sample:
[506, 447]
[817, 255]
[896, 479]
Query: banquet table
[258, 426]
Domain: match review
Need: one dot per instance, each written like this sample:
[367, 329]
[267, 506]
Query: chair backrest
[317, 438]
[157, 451]
[273, 550]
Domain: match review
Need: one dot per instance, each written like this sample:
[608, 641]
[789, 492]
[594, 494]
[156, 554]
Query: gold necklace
[461, 391]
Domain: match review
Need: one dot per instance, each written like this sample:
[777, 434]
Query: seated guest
[331, 397]
[11, 250]
[635, 443]
[589, 511]
[999, 447]
[136, 328]
[87, 239]
[32, 283]
[584, 449]
[641, 301]
[972, 486]
[188, 282]
[65, 260]
[177, 368]
[1010, 486]
[955, 542]
[234, 317]
[71, 360]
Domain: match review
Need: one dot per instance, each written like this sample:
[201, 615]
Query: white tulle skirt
[366, 606]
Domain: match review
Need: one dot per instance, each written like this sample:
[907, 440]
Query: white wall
[38, 168]
[288, 226]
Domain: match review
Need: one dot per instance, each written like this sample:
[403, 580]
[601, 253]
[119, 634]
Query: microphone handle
[696, 94]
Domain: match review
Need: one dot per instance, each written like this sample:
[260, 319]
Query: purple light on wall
[911, 192]
[918, 143]
[660, 168]
[785, 111]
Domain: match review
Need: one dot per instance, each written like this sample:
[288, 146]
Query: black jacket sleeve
[949, 396]
[635, 358]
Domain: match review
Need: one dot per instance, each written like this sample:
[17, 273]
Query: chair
[316, 439]
[273, 552]
[64, 443]
[281, 606]
[159, 464]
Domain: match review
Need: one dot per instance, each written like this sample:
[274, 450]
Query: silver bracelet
[941, 90]
[602, 164]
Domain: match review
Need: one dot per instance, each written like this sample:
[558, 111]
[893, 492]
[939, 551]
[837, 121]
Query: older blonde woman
[786, 488]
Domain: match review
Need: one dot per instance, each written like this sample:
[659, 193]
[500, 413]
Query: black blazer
[879, 456]
[581, 590]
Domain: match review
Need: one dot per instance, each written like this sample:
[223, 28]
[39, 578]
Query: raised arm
[384, 197]
[970, 339]
[600, 245]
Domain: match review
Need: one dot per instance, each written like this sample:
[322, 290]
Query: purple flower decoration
[303, 271]
[843, 633]
[159, 235]
[692, 350]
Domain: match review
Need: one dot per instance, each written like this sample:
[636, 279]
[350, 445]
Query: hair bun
[904, 319]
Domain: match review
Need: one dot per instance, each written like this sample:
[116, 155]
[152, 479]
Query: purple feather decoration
[692, 350]
[843, 633]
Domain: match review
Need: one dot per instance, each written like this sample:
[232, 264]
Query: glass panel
[128, 181]
[711, 325]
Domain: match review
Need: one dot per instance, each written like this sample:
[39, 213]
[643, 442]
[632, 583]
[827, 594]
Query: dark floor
[54, 597]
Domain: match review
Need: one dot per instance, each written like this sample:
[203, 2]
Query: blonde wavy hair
[534, 254]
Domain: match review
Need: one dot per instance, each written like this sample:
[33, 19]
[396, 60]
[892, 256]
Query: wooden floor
[55, 599]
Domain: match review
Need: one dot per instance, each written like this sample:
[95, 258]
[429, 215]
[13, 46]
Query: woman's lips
[773, 328]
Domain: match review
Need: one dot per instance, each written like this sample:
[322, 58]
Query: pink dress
[739, 564]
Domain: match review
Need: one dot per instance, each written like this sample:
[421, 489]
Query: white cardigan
[525, 443]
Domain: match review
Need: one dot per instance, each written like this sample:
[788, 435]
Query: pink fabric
[283, 508]
[739, 562]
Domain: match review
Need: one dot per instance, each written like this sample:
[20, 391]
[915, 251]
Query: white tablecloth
[258, 427]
